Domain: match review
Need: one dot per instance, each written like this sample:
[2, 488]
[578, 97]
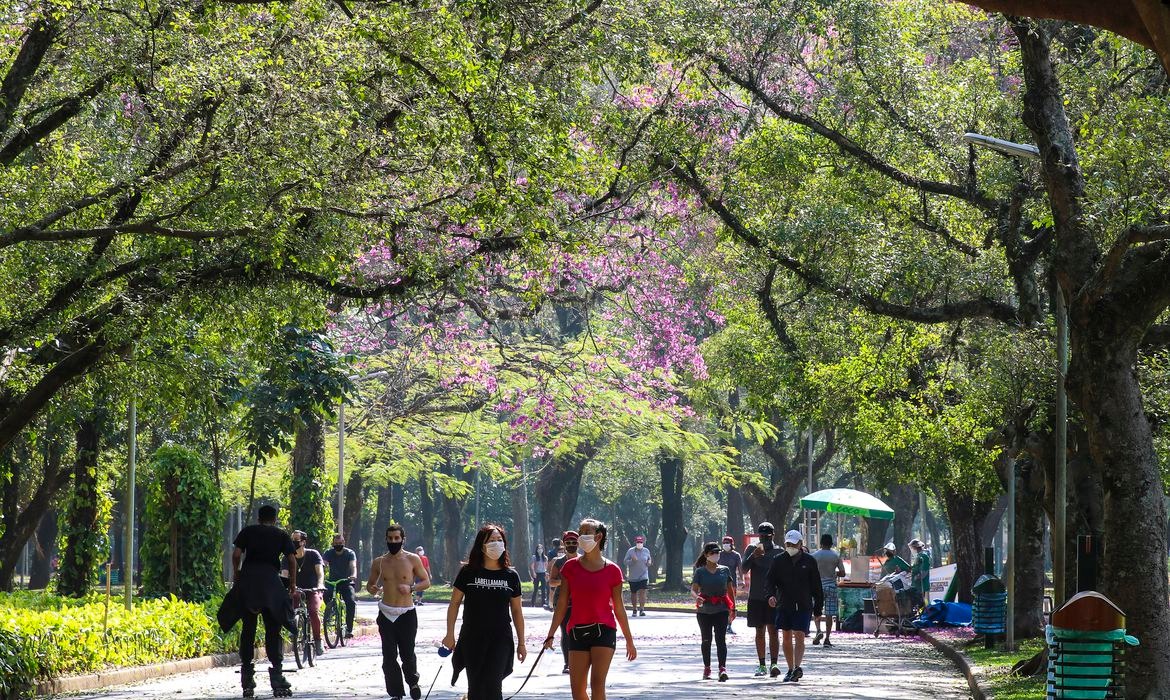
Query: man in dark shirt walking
[794, 587]
[757, 562]
[258, 591]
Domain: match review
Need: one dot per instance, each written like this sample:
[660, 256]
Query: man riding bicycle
[311, 576]
[342, 563]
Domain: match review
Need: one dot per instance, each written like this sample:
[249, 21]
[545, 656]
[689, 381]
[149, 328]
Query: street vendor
[891, 562]
[920, 570]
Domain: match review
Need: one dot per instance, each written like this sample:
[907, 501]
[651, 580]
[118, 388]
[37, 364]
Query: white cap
[793, 536]
[890, 545]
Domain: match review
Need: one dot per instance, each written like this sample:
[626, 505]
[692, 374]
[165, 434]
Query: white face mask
[726, 548]
[586, 542]
[494, 550]
[791, 549]
[713, 558]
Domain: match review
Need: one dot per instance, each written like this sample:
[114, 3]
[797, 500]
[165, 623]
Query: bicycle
[333, 618]
[302, 641]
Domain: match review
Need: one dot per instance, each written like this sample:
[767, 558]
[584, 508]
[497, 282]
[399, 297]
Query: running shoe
[827, 643]
[642, 614]
[775, 670]
[565, 669]
[722, 674]
[761, 671]
[706, 673]
[817, 639]
[787, 677]
[797, 673]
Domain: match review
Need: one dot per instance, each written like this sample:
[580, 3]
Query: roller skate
[248, 680]
[281, 688]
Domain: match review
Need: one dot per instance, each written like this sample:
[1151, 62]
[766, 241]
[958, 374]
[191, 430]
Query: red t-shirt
[591, 592]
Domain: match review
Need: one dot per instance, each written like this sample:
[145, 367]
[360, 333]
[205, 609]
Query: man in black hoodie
[794, 587]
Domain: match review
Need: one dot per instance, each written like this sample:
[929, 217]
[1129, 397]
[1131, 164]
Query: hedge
[43, 636]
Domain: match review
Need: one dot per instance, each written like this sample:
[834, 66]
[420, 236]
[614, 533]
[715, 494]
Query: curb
[137, 674]
[960, 660]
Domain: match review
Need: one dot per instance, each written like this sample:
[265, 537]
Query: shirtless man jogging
[395, 574]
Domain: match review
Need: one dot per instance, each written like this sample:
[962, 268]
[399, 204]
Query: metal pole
[340, 467]
[1061, 527]
[477, 521]
[128, 555]
[922, 529]
[1010, 569]
[810, 517]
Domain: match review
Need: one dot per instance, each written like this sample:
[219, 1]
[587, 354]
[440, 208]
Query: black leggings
[540, 585]
[716, 622]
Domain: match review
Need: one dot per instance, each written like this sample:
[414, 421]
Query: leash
[530, 672]
[440, 671]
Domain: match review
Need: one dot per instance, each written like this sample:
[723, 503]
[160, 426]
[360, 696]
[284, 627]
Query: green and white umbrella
[847, 502]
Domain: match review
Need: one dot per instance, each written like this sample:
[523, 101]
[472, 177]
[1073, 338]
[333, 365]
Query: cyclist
[342, 563]
[311, 575]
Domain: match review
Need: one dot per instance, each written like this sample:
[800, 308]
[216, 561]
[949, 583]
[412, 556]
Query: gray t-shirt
[713, 584]
[732, 560]
[827, 563]
[638, 562]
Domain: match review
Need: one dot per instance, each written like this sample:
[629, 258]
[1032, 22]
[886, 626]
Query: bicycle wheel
[329, 622]
[339, 617]
[307, 644]
[297, 641]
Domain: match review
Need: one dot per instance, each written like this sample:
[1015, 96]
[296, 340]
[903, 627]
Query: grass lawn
[992, 666]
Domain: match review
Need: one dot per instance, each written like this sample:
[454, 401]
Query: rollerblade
[248, 680]
[281, 688]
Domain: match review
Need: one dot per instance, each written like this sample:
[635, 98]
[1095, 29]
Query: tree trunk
[79, 555]
[903, 498]
[558, 484]
[426, 511]
[1028, 557]
[354, 501]
[21, 523]
[966, 515]
[46, 548]
[453, 509]
[654, 541]
[1133, 565]
[674, 530]
[872, 535]
[935, 535]
[1113, 298]
[309, 509]
[735, 515]
[521, 546]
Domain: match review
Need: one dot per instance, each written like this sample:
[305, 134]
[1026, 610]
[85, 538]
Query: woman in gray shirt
[714, 589]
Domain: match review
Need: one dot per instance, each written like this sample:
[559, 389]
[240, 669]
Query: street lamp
[1019, 150]
[1024, 150]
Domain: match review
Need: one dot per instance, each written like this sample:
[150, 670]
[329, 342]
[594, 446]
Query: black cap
[765, 528]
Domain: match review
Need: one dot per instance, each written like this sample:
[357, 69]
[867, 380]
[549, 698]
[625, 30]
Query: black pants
[565, 635]
[273, 644]
[485, 681]
[346, 591]
[398, 641]
[540, 585]
[717, 623]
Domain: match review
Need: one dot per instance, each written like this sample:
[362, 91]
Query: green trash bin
[1086, 665]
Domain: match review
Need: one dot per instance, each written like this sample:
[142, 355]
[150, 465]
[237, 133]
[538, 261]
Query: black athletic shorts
[759, 613]
[585, 637]
[636, 586]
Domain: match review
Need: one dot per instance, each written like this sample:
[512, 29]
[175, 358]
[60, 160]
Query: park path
[668, 667]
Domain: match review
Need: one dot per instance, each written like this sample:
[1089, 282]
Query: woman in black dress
[489, 590]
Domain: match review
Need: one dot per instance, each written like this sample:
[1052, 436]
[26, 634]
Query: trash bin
[1086, 643]
[989, 611]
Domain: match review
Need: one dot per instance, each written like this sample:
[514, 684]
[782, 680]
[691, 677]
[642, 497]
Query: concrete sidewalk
[668, 666]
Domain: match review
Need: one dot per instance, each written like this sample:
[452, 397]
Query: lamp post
[1030, 152]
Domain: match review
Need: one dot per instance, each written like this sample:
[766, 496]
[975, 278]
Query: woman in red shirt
[593, 585]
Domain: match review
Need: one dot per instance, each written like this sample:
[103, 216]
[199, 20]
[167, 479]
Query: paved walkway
[668, 667]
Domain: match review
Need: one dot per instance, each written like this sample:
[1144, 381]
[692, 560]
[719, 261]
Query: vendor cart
[895, 603]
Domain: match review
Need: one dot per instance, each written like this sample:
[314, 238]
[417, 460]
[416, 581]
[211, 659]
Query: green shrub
[181, 546]
[65, 637]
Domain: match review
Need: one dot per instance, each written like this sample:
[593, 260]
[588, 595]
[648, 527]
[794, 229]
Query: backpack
[853, 623]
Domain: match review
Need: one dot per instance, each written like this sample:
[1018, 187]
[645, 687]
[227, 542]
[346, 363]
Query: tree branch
[27, 137]
[24, 68]
[851, 148]
[980, 307]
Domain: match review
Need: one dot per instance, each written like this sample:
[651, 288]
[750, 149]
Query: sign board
[940, 580]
